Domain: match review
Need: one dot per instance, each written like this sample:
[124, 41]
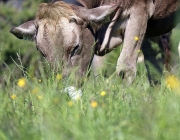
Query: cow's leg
[156, 52]
[153, 59]
[134, 34]
[164, 43]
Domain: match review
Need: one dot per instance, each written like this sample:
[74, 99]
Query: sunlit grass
[34, 107]
[107, 110]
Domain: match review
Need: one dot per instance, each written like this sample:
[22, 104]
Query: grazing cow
[71, 34]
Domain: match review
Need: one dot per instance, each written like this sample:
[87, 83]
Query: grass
[37, 109]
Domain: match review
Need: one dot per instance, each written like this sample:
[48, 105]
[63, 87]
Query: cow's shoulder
[164, 8]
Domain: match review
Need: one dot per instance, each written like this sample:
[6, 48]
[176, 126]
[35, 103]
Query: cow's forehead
[70, 31]
[67, 33]
[54, 11]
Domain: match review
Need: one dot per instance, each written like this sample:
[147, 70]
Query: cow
[70, 34]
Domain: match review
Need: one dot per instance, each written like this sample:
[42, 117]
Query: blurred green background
[13, 50]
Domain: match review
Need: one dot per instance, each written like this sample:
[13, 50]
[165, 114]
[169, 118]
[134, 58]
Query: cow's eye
[74, 51]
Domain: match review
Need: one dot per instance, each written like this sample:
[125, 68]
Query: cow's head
[63, 33]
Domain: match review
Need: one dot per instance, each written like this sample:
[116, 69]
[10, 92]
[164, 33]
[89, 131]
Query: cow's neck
[90, 3]
[96, 3]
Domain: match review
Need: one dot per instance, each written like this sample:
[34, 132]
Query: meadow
[34, 106]
[38, 109]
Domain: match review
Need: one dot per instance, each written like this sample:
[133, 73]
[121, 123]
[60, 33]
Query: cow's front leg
[134, 34]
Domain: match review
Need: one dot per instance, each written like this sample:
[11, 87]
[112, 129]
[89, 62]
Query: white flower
[74, 93]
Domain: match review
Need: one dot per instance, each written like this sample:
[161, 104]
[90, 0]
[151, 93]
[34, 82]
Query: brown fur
[126, 4]
[158, 15]
[163, 7]
[54, 11]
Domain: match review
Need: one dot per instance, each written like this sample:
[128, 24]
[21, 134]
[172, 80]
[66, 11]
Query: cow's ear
[98, 15]
[25, 31]
[102, 13]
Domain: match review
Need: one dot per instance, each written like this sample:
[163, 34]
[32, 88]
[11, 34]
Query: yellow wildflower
[139, 51]
[113, 86]
[13, 96]
[58, 76]
[36, 90]
[136, 38]
[39, 80]
[56, 100]
[70, 103]
[21, 82]
[172, 82]
[143, 94]
[34, 79]
[103, 93]
[77, 116]
[85, 79]
[40, 97]
[94, 104]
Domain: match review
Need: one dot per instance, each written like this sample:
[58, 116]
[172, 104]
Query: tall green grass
[40, 110]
